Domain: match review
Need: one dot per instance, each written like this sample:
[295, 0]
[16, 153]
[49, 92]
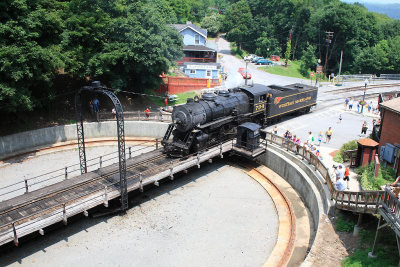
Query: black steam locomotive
[214, 118]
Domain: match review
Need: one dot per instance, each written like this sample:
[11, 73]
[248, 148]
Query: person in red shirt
[166, 101]
[147, 112]
[347, 176]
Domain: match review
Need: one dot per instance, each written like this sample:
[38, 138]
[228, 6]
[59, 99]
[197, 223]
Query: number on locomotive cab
[259, 107]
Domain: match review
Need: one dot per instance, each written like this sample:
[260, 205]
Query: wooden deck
[35, 210]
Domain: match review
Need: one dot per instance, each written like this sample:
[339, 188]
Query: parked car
[255, 59]
[264, 61]
[249, 57]
[245, 74]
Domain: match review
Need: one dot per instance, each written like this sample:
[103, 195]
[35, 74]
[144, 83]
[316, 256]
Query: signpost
[319, 70]
[311, 75]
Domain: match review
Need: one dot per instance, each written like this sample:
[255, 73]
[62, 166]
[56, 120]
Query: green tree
[29, 52]
[288, 50]
[308, 60]
[238, 22]
[212, 23]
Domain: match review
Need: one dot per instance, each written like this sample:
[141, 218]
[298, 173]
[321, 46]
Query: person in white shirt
[340, 183]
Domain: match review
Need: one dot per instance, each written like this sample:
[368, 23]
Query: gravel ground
[214, 216]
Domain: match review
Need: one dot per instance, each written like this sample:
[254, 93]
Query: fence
[362, 202]
[370, 77]
[138, 116]
[175, 85]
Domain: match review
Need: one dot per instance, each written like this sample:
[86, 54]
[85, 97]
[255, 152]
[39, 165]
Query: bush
[347, 146]
[368, 179]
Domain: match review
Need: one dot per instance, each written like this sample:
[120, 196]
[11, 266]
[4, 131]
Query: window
[192, 71]
[209, 73]
[197, 39]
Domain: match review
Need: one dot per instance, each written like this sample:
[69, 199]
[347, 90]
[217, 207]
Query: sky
[374, 1]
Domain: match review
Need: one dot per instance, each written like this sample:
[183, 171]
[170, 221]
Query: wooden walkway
[35, 210]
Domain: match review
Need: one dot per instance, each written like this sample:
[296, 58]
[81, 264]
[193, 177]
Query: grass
[182, 98]
[386, 250]
[292, 70]
[237, 52]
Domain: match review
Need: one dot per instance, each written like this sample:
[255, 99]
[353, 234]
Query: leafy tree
[212, 23]
[308, 60]
[237, 22]
[29, 52]
[288, 50]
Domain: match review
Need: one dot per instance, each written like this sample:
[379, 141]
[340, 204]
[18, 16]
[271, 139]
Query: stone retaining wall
[26, 141]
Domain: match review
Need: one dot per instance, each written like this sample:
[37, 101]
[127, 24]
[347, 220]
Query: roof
[256, 89]
[182, 27]
[250, 125]
[197, 48]
[367, 142]
[392, 105]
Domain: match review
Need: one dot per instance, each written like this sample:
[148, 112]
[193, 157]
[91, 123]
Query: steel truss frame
[97, 88]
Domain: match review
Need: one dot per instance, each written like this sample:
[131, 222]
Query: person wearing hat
[340, 184]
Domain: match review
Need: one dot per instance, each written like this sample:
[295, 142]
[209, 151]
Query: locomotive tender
[214, 118]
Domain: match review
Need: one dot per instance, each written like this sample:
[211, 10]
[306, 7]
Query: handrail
[364, 202]
[57, 175]
[138, 116]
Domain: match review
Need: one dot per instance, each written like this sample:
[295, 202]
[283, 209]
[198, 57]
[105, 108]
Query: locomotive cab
[248, 142]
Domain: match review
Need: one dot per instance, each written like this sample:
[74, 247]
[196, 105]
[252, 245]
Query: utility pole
[329, 35]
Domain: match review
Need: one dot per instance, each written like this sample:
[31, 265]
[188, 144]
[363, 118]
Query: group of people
[349, 103]
[342, 178]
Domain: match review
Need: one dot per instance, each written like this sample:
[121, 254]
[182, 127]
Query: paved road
[232, 64]
[214, 216]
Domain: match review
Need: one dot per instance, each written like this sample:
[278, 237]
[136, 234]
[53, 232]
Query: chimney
[188, 22]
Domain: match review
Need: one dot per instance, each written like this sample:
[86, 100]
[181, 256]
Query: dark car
[264, 61]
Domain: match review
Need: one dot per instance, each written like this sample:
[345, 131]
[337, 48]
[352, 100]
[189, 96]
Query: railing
[36, 182]
[61, 211]
[370, 77]
[196, 59]
[363, 202]
[138, 116]
[350, 155]
[391, 205]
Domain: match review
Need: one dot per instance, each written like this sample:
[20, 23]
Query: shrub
[346, 146]
[368, 179]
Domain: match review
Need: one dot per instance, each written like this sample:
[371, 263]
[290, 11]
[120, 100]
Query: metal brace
[41, 231]
[171, 174]
[198, 161]
[15, 235]
[209, 160]
[220, 151]
[156, 183]
[66, 173]
[85, 213]
[105, 197]
[101, 161]
[26, 186]
[140, 182]
[64, 215]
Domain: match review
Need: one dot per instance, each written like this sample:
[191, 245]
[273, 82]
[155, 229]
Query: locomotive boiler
[214, 118]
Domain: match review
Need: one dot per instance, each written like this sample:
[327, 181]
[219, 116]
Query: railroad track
[10, 210]
[287, 218]
[362, 88]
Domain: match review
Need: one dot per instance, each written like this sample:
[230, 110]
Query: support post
[26, 187]
[220, 151]
[372, 253]
[101, 161]
[198, 161]
[140, 182]
[64, 215]
[15, 235]
[105, 196]
[130, 152]
[66, 173]
[156, 143]
[171, 174]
